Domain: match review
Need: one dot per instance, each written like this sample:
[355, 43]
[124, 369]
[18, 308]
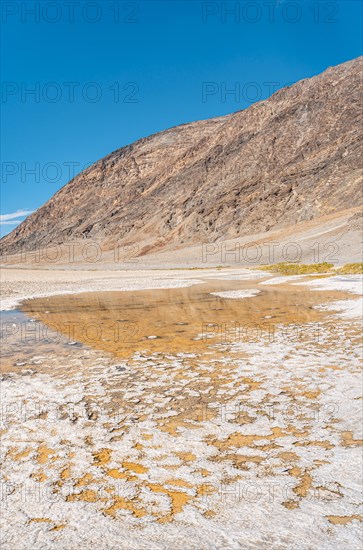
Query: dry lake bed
[206, 409]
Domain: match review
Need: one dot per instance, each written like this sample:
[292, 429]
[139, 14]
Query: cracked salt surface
[348, 309]
[255, 445]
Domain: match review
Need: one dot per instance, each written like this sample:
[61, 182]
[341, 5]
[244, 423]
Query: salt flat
[235, 442]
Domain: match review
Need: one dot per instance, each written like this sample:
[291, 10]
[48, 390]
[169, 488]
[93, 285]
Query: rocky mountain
[293, 157]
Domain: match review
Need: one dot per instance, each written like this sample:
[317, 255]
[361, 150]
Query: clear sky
[106, 73]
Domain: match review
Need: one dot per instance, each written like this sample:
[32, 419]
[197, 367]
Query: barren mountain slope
[293, 157]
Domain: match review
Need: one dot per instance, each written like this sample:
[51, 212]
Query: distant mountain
[293, 157]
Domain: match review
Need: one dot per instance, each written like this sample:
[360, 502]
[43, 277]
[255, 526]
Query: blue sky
[112, 72]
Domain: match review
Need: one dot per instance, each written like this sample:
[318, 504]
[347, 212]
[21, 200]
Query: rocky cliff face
[293, 157]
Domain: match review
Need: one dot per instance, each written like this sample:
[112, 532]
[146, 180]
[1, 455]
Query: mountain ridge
[292, 157]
